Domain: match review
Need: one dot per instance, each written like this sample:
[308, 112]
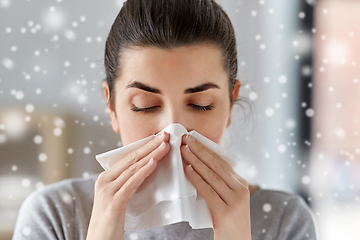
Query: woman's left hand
[225, 192]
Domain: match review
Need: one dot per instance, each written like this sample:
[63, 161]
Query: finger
[157, 154]
[215, 163]
[213, 200]
[208, 176]
[136, 155]
[133, 183]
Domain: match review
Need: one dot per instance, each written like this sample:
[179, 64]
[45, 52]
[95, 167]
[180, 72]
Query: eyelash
[151, 109]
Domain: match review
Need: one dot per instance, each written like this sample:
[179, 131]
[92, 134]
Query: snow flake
[267, 207]
[282, 79]
[70, 34]
[253, 96]
[310, 112]
[87, 150]
[133, 236]
[19, 95]
[8, 63]
[26, 231]
[269, 112]
[14, 168]
[66, 198]
[39, 185]
[302, 15]
[38, 139]
[25, 182]
[167, 215]
[305, 180]
[54, 19]
[42, 157]
[282, 148]
[57, 132]
[29, 108]
[70, 151]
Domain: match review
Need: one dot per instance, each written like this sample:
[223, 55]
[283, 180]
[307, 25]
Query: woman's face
[186, 85]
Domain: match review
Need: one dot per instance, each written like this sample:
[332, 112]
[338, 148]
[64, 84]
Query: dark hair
[168, 24]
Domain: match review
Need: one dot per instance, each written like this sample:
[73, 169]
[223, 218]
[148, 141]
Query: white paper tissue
[166, 196]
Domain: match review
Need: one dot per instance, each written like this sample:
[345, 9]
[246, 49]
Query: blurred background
[298, 63]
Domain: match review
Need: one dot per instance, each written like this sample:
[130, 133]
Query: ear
[235, 94]
[112, 112]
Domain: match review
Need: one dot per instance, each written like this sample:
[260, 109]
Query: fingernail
[161, 135]
[190, 138]
[162, 145]
[187, 148]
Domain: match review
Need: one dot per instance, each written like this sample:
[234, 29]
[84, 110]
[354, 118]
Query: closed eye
[151, 109]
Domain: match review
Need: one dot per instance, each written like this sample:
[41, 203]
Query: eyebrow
[200, 88]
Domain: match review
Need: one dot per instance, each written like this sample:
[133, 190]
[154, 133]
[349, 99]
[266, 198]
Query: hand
[115, 186]
[225, 192]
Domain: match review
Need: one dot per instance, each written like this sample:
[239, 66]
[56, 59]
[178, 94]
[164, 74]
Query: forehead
[188, 63]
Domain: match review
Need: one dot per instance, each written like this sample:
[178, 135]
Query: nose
[175, 114]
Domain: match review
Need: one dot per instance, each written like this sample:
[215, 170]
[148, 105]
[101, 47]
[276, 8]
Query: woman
[166, 62]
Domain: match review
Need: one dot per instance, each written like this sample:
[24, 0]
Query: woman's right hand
[115, 186]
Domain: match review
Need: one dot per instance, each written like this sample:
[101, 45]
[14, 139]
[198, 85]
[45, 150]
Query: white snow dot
[86, 174]
[37, 68]
[262, 46]
[39, 185]
[301, 15]
[269, 112]
[281, 148]
[70, 34]
[29, 108]
[266, 79]
[253, 96]
[5, 3]
[258, 37]
[306, 71]
[355, 80]
[133, 236]
[14, 168]
[13, 48]
[57, 132]
[37, 53]
[305, 180]
[340, 132]
[86, 150]
[83, 18]
[310, 112]
[66, 197]
[96, 118]
[70, 151]
[253, 13]
[267, 207]
[26, 231]
[25, 182]
[282, 79]
[325, 11]
[38, 139]
[167, 215]
[19, 95]
[42, 157]
[88, 39]
[295, 43]
[8, 63]
[290, 123]
[67, 64]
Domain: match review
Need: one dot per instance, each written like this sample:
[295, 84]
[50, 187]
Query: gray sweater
[62, 210]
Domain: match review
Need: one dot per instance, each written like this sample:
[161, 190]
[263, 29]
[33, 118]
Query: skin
[171, 73]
